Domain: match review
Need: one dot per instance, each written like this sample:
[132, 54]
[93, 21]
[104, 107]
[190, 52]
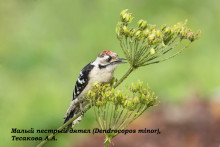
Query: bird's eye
[109, 59]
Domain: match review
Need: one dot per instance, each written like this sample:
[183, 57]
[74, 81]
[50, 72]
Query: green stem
[169, 57]
[124, 77]
[107, 142]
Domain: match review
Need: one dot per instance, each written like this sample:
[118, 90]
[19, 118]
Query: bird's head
[108, 59]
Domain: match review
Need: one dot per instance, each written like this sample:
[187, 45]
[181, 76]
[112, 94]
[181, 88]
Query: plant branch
[107, 142]
[124, 77]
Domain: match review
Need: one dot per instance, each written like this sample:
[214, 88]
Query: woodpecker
[101, 70]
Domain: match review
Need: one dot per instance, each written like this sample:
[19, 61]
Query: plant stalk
[107, 142]
[124, 77]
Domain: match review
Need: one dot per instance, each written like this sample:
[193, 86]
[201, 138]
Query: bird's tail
[71, 112]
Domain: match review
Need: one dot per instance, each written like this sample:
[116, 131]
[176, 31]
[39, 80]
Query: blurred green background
[44, 45]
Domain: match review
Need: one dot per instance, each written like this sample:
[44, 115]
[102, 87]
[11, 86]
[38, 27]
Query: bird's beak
[120, 60]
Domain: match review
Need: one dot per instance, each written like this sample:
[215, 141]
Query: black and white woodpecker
[101, 70]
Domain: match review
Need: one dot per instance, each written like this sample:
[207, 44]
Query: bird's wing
[82, 80]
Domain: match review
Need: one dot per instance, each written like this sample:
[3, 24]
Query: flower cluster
[116, 109]
[103, 94]
[147, 42]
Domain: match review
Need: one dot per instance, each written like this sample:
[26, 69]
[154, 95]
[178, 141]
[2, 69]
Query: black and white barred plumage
[101, 70]
[82, 80]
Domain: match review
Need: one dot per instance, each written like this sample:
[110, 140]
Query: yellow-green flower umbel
[146, 43]
[115, 110]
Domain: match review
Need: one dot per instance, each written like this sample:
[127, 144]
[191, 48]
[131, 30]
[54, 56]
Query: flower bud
[152, 27]
[143, 97]
[175, 27]
[157, 40]
[126, 31]
[142, 24]
[171, 32]
[132, 31]
[168, 30]
[123, 12]
[159, 34]
[98, 103]
[89, 93]
[190, 36]
[129, 104]
[146, 32]
[125, 102]
[119, 93]
[163, 27]
[136, 100]
[151, 37]
[139, 84]
[138, 35]
[152, 51]
[179, 25]
[112, 91]
[126, 17]
[183, 33]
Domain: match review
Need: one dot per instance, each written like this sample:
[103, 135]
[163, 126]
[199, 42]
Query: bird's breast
[101, 75]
